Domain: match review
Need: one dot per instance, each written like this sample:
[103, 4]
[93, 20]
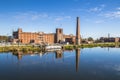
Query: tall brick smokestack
[78, 32]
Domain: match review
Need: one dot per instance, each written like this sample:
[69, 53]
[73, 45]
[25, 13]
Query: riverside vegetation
[70, 47]
[19, 48]
[65, 47]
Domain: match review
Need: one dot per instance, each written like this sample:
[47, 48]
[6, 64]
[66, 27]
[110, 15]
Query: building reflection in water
[77, 58]
[19, 55]
[116, 45]
[58, 54]
[108, 49]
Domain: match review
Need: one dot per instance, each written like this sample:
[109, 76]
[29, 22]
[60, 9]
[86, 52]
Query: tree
[97, 41]
[90, 39]
[83, 40]
[3, 38]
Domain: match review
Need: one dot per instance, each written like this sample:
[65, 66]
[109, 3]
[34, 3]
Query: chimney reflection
[58, 54]
[108, 49]
[77, 58]
[116, 45]
[19, 56]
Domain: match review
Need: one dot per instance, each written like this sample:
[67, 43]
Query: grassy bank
[19, 48]
[69, 47]
[28, 48]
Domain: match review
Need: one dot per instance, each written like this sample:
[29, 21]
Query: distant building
[110, 39]
[69, 38]
[117, 39]
[41, 37]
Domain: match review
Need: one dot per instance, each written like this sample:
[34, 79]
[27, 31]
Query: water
[80, 64]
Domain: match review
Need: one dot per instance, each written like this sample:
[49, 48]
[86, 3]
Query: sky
[97, 17]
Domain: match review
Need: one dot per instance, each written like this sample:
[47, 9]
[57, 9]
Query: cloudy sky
[97, 17]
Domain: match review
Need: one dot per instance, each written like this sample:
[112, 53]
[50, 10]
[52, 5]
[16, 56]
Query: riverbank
[19, 48]
[69, 47]
[65, 47]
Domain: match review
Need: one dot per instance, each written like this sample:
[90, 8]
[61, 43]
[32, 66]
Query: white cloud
[118, 8]
[103, 5]
[60, 18]
[30, 15]
[68, 17]
[36, 16]
[99, 21]
[79, 10]
[96, 9]
[115, 14]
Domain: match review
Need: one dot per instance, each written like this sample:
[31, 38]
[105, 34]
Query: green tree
[90, 39]
[3, 38]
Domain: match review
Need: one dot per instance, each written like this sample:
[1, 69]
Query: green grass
[20, 48]
[70, 47]
[66, 47]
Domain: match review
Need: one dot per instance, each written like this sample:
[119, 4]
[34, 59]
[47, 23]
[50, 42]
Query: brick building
[47, 38]
[41, 37]
[110, 39]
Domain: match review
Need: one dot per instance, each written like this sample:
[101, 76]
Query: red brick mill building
[47, 38]
[41, 37]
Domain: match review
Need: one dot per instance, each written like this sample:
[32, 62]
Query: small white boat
[53, 48]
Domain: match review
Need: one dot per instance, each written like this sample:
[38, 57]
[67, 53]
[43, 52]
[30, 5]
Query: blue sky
[97, 17]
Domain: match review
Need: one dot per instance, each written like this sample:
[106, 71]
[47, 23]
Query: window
[60, 31]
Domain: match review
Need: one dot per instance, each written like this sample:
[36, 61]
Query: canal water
[81, 64]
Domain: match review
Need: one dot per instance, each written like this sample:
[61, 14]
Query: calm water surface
[80, 64]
